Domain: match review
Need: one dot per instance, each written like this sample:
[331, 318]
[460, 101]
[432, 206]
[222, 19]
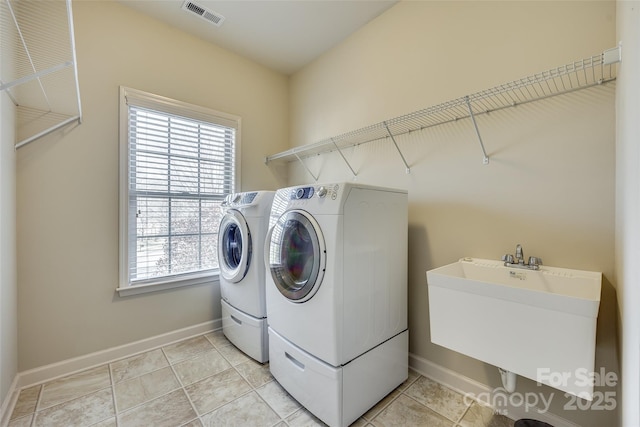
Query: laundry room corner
[67, 184]
[549, 179]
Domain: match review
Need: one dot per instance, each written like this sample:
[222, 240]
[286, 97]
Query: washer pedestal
[339, 395]
[246, 332]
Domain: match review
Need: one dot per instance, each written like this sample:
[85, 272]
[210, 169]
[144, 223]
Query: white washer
[241, 237]
[337, 296]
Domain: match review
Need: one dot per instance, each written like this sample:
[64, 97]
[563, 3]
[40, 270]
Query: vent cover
[204, 13]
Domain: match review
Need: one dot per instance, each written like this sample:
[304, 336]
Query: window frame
[169, 106]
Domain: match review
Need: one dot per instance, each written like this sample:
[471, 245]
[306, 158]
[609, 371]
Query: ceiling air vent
[204, 13]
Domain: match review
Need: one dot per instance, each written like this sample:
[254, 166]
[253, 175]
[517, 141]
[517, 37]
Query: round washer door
[234, 246]
[297, 255]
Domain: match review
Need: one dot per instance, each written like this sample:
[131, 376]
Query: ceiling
[284, 35]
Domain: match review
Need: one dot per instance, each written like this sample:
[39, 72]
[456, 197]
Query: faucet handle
[534, 260]
[507, 258]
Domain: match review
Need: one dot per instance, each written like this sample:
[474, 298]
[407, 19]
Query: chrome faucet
[519, 254]
[518, 261]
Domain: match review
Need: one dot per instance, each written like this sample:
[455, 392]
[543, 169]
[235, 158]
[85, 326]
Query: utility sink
[540, 324]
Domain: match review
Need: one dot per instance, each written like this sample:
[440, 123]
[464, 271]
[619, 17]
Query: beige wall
[8, 283]
[67, 183]
[550, 182]
[628, 207]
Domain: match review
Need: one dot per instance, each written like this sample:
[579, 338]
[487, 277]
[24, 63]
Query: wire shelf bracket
[485, 158]
[315, 178]
[596, 70]
[406, 165]
[40, 73]
[343, 158]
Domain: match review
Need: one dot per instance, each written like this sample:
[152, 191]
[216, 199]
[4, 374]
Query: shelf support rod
[305, 166]
[408, 169]
[343, 157]
[47, 132]
[36, 75]
[75, 59]
[485, 159]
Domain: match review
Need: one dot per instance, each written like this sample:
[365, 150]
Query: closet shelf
[577, 75]
[39, 70]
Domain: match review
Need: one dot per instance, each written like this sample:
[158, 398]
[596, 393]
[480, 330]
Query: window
[177, 162]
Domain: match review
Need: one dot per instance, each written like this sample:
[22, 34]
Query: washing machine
[336, 292]
[241, 237]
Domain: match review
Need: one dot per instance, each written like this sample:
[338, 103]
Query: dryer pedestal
[339, 395]
[246, 332]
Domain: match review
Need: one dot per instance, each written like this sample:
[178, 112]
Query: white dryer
[241, 237]
[336, 289]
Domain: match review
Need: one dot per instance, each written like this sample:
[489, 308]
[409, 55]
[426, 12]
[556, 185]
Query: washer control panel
[321, 191]
[301, 193]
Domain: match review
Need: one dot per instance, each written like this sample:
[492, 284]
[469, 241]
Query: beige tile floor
[206, 381]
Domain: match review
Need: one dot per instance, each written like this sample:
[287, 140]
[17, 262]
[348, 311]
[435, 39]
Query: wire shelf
[596, 70]
[39, 70]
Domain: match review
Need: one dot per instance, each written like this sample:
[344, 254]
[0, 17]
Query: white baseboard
[69, 366]
[66, 367]
[471, 388]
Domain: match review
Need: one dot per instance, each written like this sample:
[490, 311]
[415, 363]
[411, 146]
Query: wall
[628, 207]
[550, 181]
[8, 283]
[67, 183]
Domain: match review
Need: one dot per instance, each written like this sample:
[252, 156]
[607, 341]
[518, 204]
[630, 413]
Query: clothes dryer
[241, 237]
[336, 290]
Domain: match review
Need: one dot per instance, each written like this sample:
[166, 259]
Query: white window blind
[180, 163]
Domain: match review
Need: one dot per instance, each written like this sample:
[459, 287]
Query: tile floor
[206, 381]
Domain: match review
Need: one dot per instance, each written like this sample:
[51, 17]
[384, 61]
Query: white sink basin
[539, 324]
[561, 289]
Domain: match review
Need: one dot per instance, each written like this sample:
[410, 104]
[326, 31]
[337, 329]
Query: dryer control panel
[239, 199]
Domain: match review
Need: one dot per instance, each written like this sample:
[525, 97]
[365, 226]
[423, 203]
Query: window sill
[125, 291]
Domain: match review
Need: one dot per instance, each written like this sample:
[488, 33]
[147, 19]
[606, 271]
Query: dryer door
[234, 246]
[297, 255]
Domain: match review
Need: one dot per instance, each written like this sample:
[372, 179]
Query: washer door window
[234, 246]
[297, 255]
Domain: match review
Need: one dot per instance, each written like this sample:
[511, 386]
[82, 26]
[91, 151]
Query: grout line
[113, 393]
[410, 383]
[39, 399]
[429, 409]
[36, 408]
[215, 348]
[169, 365]
[210, 340]
[149, 401]
[255, 389]
[192, 420]
[282, 417]
[461, 417]
[401, 391]
[184, 390]
[382, 408]
[69, 401]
